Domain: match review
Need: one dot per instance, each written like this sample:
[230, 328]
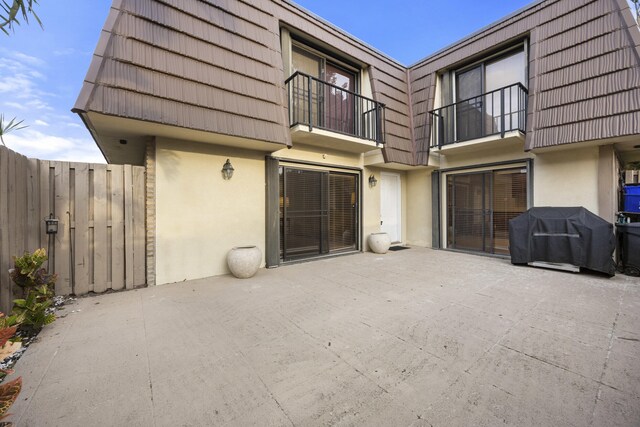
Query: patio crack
[321, 342]
[273, 397]
[555, 365]
[146, 347]
[606, 359]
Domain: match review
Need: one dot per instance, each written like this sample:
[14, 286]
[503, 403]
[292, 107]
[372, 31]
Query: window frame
[325, 57]
[503, 53]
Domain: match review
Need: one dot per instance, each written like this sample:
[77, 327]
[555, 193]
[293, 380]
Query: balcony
[492, 116]
[327, 115]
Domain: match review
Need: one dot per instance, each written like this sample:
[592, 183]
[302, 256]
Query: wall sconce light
[51, 224]
[227, 170]
[373, 181]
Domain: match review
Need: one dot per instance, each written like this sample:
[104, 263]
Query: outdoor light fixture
[372, 181]
[227, 170]
[52, 224]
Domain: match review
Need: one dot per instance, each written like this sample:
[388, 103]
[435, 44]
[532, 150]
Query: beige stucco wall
[200, 216]
[419, 208]
[567, 178]
[308, 153]
[371, 208]
[507, 152]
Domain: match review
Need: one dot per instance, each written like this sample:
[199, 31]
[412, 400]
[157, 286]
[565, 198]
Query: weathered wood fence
[100, 243]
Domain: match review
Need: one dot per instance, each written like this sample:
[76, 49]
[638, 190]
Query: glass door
[303, 213]
[343, 211]
[469, 104]
[469, 212]
[339, 109]
[509, 200]
[479, 207]
[312, 65]
[500, 73]
[318, 212]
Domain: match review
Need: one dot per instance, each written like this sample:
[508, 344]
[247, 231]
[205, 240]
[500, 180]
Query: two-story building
[330, 140]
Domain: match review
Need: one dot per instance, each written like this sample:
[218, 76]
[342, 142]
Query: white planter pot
[379, 242]
[244, 261]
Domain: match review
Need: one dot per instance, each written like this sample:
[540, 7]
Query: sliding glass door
[479, 207]
[479, 101]
[333, 106]
[318, 212]
[469, 111]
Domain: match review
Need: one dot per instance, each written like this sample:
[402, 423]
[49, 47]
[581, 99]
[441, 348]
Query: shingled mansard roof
[216, 66]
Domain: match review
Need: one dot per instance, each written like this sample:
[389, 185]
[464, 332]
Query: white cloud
[38, 104]
[26, 93]
[15, 105]
[36, 144]
[31, 60]
[19, 85]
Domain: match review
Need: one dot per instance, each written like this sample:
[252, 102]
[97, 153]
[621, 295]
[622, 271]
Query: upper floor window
[504, 70]
[328, 90]
[487, 97]
[322, 68]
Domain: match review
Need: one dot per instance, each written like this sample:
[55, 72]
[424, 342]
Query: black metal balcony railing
[492, 113]
[319, 104]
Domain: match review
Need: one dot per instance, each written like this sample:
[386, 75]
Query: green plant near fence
[38, 289]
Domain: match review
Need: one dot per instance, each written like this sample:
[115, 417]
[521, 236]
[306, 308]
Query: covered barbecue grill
[567, 235]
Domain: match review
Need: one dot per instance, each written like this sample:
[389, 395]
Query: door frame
[398, 201]
[273, 163]
[439, 209]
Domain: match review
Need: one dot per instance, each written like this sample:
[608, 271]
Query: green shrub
[33, 311]
[28, 272]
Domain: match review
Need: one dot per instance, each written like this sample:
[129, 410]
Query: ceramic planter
[379, 242]
[244, 261]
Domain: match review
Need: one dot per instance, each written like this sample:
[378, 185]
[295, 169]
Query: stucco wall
[505, 151]
[567, 178]
[371, 208]
[200, 216]
[419, 208]
[320, 156]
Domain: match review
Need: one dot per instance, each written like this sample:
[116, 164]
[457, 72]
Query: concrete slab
[416, 338]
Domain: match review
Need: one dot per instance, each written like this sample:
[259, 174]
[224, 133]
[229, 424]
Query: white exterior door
[391, 206]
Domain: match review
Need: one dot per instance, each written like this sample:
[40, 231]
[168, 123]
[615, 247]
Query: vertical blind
[318, 212]
[479, 207]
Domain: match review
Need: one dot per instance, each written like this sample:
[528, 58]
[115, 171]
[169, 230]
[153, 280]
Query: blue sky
[41, 71]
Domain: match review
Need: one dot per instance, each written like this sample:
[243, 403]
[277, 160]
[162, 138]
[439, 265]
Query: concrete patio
[416, 337]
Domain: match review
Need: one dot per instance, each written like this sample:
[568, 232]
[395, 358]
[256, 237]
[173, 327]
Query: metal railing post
[502, 113]
[309, 103]
[347, 108]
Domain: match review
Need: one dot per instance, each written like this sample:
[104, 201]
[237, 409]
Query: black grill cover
[570, 235]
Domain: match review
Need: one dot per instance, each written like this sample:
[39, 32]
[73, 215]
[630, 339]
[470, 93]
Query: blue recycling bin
[632, 198]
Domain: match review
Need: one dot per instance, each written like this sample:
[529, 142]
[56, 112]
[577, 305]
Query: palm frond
[11, 13]
[5, 127]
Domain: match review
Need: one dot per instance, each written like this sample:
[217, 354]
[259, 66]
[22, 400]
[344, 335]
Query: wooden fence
[100, 243]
